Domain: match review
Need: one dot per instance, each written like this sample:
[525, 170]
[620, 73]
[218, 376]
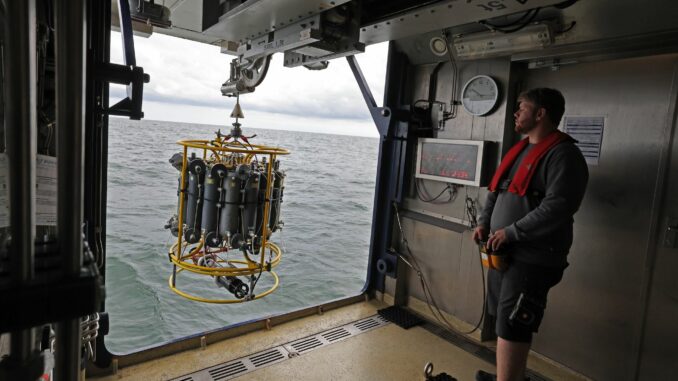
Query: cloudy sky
[186, 77]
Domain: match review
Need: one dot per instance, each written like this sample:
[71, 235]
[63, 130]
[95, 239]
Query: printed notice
[588, 130]
[46, 190]
[4, 191]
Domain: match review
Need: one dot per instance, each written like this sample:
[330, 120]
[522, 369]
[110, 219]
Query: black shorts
[516, 321]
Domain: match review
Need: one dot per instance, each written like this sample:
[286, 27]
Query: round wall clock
[479, 95]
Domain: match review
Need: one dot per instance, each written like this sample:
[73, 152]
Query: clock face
[480, 95]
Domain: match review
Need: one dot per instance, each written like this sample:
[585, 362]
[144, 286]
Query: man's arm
[566, 178]
[480, 232]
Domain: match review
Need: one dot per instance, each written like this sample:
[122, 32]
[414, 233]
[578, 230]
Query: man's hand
[479, 234]
[497, 239]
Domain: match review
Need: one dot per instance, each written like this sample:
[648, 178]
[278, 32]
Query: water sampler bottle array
[229, 197]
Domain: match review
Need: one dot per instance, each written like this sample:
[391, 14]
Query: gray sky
[186, 77]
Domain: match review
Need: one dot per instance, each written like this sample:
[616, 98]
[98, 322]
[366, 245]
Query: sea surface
[327, 214]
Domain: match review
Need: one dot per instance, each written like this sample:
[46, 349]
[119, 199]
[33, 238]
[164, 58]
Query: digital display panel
[453, 161]
[449, 160]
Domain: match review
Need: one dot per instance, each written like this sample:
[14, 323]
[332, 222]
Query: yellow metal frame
[223, 301]
[219, 148]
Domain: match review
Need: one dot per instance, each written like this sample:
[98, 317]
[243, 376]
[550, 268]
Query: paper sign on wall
[46, 190]
[588, 130]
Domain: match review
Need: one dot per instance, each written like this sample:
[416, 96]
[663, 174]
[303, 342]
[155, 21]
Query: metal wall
[594, 316]
[659, 333]
[450, 259]
[595, 319]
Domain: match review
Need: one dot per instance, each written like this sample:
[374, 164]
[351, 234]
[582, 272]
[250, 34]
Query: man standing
[534, 193]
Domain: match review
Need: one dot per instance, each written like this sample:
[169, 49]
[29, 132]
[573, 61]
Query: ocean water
[327, 212]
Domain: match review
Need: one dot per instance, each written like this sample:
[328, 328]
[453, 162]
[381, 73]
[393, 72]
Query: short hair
[550, 99]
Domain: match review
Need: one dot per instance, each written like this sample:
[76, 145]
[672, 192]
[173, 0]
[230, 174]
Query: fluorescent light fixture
[494, 43]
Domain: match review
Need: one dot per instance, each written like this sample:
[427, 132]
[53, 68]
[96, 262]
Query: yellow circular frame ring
[235, 148]
[251, 269]
[276, 282]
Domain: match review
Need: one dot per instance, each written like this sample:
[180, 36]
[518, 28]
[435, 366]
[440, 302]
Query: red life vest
[528, 166]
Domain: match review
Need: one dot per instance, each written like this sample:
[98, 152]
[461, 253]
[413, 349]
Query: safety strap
[528, 166]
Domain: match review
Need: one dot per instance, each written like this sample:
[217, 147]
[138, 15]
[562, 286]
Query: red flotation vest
[523, 176]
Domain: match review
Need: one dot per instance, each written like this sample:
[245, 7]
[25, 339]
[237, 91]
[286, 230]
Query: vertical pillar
[71, 34]
[21, 127]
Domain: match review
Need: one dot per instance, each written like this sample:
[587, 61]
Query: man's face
[526, 117]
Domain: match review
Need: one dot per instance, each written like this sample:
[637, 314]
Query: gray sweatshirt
[539, 225]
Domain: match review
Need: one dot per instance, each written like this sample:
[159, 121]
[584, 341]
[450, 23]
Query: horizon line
[256, 128]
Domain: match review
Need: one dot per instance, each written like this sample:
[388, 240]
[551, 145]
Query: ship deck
[332, 346]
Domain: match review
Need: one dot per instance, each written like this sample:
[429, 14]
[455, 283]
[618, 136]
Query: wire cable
[569, 28]
[471, 212]
[424, 196]
[428, 295]
[511, 24]
[430, 301]
[455, 81]
[566, 4]
[534, 13]
[482, 313]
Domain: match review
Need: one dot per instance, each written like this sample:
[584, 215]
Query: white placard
[4, 191]
[588, 130]
[46, 190]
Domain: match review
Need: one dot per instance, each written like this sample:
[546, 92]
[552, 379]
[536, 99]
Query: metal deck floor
[384, 353]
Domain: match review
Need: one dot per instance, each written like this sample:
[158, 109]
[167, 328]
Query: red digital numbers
[457, 174]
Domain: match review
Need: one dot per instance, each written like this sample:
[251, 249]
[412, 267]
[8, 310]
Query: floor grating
[235, 368]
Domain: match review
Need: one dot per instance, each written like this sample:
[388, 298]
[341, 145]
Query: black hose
[530, 19]
[433, 199]
[513, 23]
[569, 28]
[566, 4]
[533, 12]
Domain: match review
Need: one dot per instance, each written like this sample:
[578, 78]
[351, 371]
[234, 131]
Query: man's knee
[517, 322]
[520, 308]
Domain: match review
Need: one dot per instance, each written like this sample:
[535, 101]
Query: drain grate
[227, 371]
[268, 357]
[238, 367]
[366, 325]
[335, 335]
[306, 344]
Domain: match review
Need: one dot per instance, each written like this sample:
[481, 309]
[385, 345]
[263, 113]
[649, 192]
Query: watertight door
[595, 316]
[659, 349]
